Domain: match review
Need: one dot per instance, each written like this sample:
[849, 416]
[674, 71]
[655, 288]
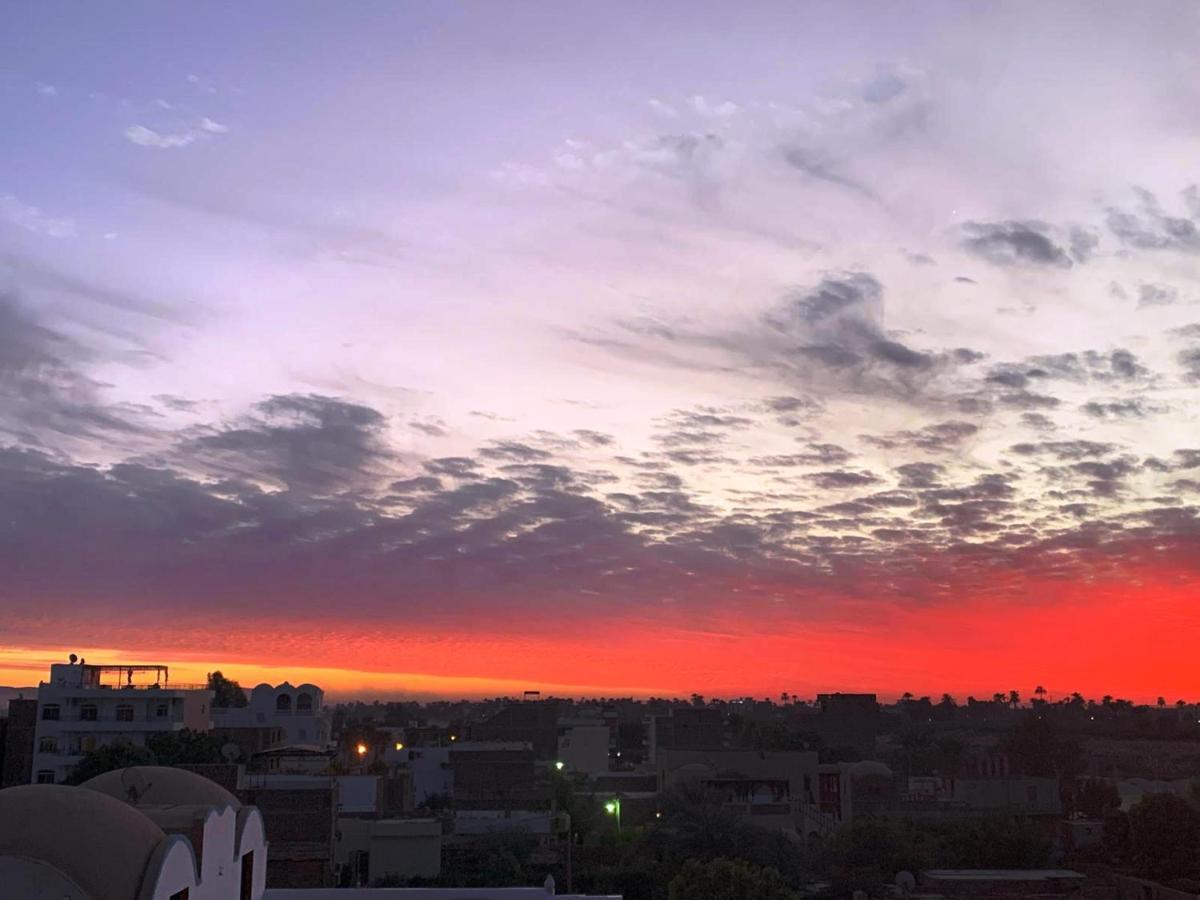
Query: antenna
[135, 784]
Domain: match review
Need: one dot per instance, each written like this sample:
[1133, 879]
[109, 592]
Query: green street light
[613, 808]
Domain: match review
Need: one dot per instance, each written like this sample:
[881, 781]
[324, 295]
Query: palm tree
[1162, 702]
[907, 696]
[1014, 699]
[1040, 693]
[998, 698]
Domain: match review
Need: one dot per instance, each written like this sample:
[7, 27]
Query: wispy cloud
[32, 218]
[144, 136]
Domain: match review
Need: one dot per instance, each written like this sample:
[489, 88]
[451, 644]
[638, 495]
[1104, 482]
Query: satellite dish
[231, 751]
[906, 882]
[135, 784]
[74, 659]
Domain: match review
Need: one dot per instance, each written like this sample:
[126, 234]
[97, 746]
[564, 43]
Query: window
[247, 892]
[51, 712]
[161, 711]
[88, 713]
[45, 776]
[48, 745]
[283, 703]
[124, 713]
[304, 702]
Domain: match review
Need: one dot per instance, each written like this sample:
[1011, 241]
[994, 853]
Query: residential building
[298, 712]
[584, 745]
[686, 728]
[369, 850]
[774, 789]
[82, 707]
[534, 722]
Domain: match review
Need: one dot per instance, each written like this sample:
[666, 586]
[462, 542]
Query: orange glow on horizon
[1133, 641]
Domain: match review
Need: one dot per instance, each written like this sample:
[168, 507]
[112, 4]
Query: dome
[98, 843]
[162, 786]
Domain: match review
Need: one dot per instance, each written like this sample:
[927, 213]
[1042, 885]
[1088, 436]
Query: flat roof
[1001, 874]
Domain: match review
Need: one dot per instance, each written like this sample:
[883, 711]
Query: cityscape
[296, 798]
[675, 450]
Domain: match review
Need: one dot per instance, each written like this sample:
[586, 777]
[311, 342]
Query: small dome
[53, 824]
[162, 786]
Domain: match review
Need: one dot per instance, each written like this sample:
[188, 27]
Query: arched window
[88, 713]
[124, 713]
[51, 712]
[283, 703]
[304, 702]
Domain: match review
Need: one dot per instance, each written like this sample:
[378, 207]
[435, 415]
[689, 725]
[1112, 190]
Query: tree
[184, 748]
[1040, 692]
[226, 692]
[1094, 798]
[1164, 837]
[724, 879]
[1014, 699]
[108, 757]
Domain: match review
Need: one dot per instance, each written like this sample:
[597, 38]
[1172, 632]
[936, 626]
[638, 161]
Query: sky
[468, 348]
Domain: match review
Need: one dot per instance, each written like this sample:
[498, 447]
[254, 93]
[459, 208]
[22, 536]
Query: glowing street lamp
[559, 765]
[613, 808]
[361, 749]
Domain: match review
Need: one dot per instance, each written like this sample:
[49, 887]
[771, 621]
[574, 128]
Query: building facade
[83, 707]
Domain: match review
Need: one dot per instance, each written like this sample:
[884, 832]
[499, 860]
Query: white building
[584, 745]
[145, 833]
[83, 707]
[297, 711]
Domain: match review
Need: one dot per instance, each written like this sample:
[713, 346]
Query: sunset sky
[455, 349]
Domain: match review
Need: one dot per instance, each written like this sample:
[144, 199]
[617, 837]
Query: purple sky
[432, 315]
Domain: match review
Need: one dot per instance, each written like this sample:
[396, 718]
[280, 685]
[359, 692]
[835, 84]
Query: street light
[559, 765]
[361, 749]
[613, 808]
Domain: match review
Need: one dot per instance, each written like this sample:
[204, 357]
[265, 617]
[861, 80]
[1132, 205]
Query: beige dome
[97, 842]
[161, 786]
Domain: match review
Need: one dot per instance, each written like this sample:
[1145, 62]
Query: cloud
[33, 219]
[144, 136]
[300, 441]
[1014, 243]
[1148, 227]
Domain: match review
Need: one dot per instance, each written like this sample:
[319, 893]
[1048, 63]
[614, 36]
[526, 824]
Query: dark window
[283, 703]
[247, 892]
[51, 712]
[161, 710]
[88, 713]
[304, 702]
[48, 745]
[45, 776]
[124, 713]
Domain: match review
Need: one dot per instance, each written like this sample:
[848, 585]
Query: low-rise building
[297, 712]
[82, 707]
